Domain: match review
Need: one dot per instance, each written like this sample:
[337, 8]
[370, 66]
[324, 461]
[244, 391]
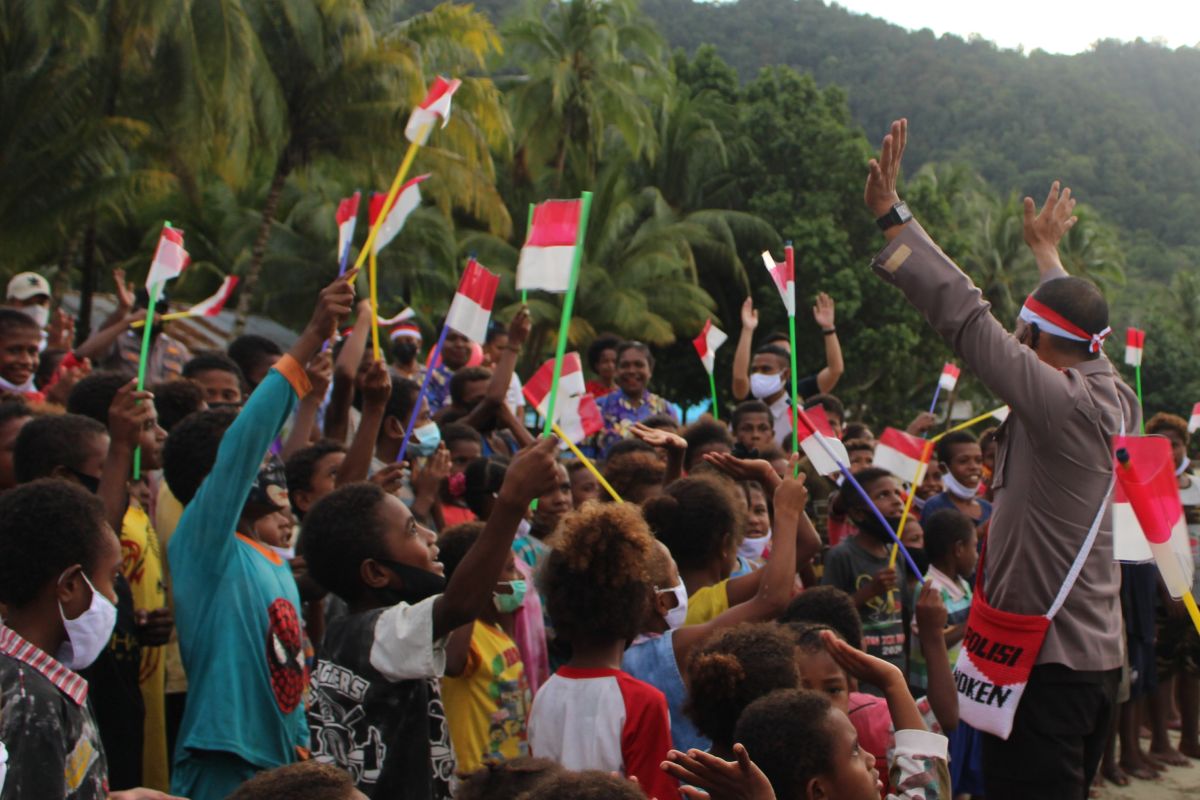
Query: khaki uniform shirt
[1053, 458]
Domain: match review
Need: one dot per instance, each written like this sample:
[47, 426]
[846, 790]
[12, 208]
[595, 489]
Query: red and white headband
[405, 332]
[1050, 321]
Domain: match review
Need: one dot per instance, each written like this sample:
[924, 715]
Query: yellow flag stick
[374, 284]
[1194, 612]
[369, 245]
[163, 318]
[587, 463]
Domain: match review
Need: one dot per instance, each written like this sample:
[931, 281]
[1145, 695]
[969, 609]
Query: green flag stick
[712, 385]
[528, 227]
[564, 324]
[155, 292]
[790, 257]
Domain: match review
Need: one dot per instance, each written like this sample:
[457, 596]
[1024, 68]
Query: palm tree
[591, 71]
[342, 76]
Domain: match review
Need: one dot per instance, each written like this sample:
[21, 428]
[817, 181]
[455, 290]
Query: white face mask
[676, 616]
[87, 634]
[39, 314]
[959, 490]
[1183, 465]
[763, 386]
[752, 547]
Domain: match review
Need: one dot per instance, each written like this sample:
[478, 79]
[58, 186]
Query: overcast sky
[1051, 25]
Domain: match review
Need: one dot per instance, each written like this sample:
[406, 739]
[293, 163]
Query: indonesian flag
[903, 455]
[347, 216]
[472, 305]
[213, 305]
[1135, 340]
[949, 377]
[578, 417]
[170, 259]
[408, 199]
[435, 106]
[1147, 487]
[549, 252]
[784, 276]
[1194, 422]
[707, 342]
[570, 382]
[813, 430]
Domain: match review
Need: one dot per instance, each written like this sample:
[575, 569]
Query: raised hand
[532, 473]
[320, 371]
[721, 779]
[823, 312]
[128, 414]
[1045, 229]
[745, 469]
[657, 437]
[749, 315]
[921, 423]
[333, 306]
[436, 469]
[376, 385]
[61, 331]
[883, 582]
[518, 329]
[125, 291]
[867, 668]
[880, 194]
[791, 496]
[391, 477]
[931, 611]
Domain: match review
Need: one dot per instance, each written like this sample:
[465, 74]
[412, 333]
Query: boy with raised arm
[1052, 479]
[237, 608]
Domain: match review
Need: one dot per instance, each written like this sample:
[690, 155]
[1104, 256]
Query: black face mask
[419, 584]
[235, 407]
[741, 451]
[92, 484]
[872, 526]
[404, 351]
[919, 558]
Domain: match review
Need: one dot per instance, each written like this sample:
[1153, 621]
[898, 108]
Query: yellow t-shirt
[708, 603]
[167, 512]
[487, 707]
[142, 566]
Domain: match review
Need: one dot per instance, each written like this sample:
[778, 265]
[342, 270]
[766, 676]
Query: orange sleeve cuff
[290, 368]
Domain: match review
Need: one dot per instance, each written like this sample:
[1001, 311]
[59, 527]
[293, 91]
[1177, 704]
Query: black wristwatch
[898, 215]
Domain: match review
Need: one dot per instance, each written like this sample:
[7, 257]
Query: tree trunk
[253, 270]
[87, 285]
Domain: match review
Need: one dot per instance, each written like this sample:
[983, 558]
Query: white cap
[27, 285]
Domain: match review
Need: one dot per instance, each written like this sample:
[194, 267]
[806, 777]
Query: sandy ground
[1176, 783]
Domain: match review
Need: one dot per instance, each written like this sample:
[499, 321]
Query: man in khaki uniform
[1053, 470]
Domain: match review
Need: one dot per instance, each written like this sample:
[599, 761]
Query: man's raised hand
[823, 311]
[333, 305]
[1045, 229]
[880, 194]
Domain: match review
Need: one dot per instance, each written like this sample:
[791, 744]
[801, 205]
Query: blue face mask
[425, 439]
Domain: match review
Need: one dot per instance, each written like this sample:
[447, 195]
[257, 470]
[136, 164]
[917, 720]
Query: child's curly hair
[697, 518]
[733, 669]
[629, 472]
[507, 780]
[1169, 422]
[304, 780]
[596, 578]
[588, 784]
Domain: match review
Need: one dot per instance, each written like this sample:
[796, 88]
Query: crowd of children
[273, 604]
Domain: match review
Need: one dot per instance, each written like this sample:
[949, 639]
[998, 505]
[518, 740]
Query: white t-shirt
[404, 648]
[781, 411]
[514, 399]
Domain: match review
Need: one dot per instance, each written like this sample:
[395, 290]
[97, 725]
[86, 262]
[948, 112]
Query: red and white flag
[472, 305]
[949, 377]
[707, 342]
[1194, 422]
[407, 313]
[549, 252]
[1148, 519]
[1001, 413]
[813, 429]
[784, 276]
[213, 305]
[578, 417]
[347, 217]
[408, 199]
[170, 259]
[902, 454]
[570, 382]
[435, 106]
[1135, 340]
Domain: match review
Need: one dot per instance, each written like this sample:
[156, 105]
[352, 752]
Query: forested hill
[1121, 123]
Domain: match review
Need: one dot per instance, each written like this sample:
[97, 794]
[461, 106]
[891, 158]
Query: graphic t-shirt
[372, 712]
[236, 602]
[487, 706]
[141, 564]
[848, 567]
[604, 719]
[53, 744]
